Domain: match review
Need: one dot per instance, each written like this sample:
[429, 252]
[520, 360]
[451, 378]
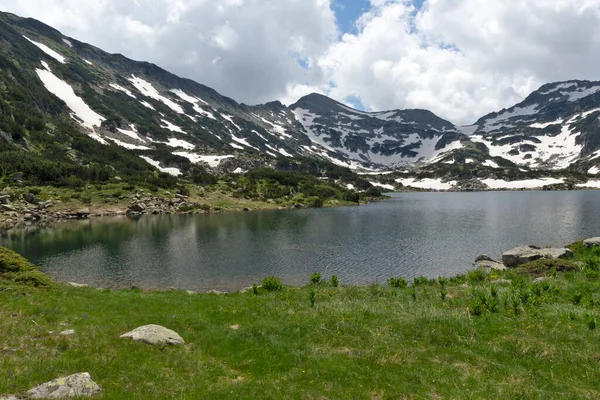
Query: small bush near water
[315, 278]
[399, 283]
[272, 284]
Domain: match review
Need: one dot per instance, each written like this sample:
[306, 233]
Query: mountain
[555, 127]
[67, 100]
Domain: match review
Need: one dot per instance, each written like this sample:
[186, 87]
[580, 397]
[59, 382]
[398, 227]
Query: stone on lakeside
[154, 335]
[525, 254]
[591, 242]
[78, 385]
[485, 261]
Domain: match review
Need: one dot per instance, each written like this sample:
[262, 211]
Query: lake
[412, 234]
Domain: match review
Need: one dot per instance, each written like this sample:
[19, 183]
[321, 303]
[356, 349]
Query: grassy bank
[475, 336]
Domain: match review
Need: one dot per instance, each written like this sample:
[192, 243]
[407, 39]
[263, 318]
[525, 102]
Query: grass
[529, 340]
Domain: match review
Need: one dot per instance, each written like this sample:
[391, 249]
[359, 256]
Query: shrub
[442, 281]
[312, 296]
[272, 284]
[315, 278]
[576, 298]
[477, 276]
[399, 283]
[334, 281]
[590, 321]
[443, 293]
[420, 281]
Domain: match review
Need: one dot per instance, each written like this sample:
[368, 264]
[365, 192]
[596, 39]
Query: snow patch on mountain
[57, 56]
[243, 141]
[230, 119]
[67, 42]
[156, 164]
[523, 184]
[491, 164]
[212, 161]
[431, 184]
[538, 125]
[61, 89]
[194, 102]
[497, 122]
[589, 185]
[148, 90]
[129, 145]
[178, 143]
[561, 150]
[131, 133]
[87, 61]
[172, 127]
[594, 171]
[122, 89]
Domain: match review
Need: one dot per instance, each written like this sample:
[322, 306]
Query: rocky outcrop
[485, 261]
[78, 385]
[525, 254]
[154, 335]
[592, 242]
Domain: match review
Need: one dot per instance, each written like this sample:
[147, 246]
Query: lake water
[413, 234]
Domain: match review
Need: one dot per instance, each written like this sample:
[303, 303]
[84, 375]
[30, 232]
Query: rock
[216, 292]
[484, 257]
[501, 282]
[79, 285]
[68, 332]
[9, 397]
[591, 242]
[8, 207]
[5, 199]
[191, 292]
[541, 279]
[30, 198]
[83, 213]
[28, 217]
[45, 204]
[485, 261]
[525, 254]
[154, 334]
[78, 385]
[138, 207]
[556, 253]
[521, 255]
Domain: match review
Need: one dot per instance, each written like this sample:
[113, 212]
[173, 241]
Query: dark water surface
[415, 234]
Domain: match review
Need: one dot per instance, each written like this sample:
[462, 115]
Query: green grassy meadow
[469, 337]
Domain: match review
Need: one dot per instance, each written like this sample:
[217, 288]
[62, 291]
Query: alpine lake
[409, 235]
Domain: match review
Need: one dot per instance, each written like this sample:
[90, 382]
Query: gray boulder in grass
[525, 254]
[78, 385]
[592, 242]
[154, 334]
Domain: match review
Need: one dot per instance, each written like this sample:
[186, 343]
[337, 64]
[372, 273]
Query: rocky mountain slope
[147, 118]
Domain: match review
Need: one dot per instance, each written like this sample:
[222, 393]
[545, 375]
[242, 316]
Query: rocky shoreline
[28, 209]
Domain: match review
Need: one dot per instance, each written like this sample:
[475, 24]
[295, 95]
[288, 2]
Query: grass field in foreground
[466, 337]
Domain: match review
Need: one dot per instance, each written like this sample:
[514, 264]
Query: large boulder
[30, 198]
[592, 242]
[78, 385]
[525, 254]
[521, 255]
[485, 261]
[154, 334]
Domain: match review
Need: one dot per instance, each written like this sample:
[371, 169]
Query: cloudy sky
[459, 58]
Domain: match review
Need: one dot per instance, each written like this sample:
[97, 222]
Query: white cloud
[463, 58]
[459, 58]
